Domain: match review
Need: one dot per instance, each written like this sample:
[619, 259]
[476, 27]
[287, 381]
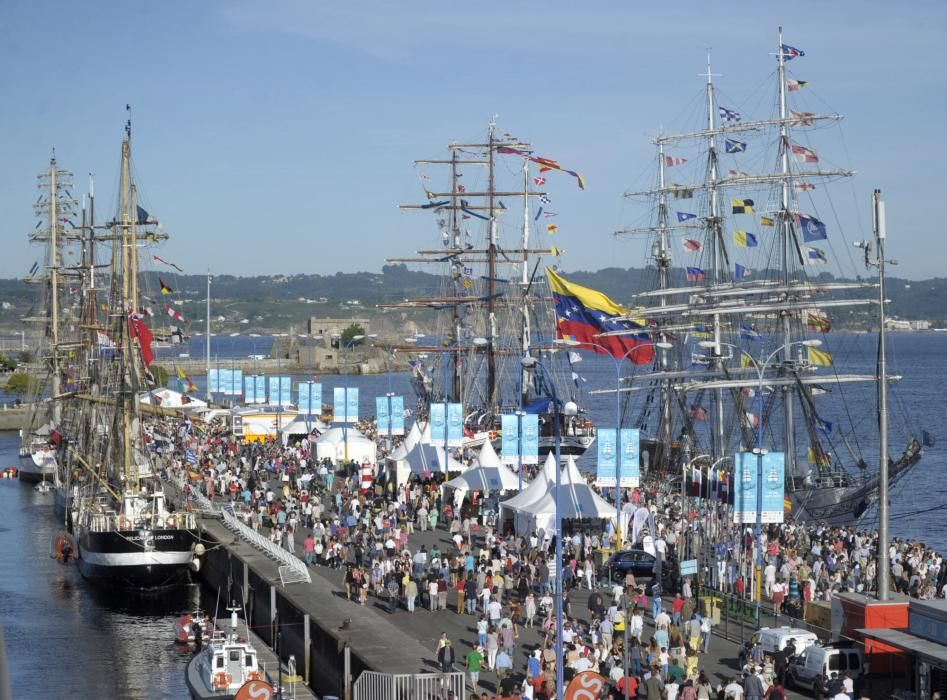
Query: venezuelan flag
[583, 313]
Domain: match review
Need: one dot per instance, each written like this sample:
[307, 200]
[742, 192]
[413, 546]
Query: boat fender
[222, 680]
[254, 676]
[195, 565]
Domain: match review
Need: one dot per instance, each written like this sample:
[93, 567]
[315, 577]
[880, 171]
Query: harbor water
[66, 638]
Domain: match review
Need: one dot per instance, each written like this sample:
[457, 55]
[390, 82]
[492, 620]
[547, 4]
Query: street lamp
[528, 361]
[760, 368]
[344, 346]
[617, 361]
[390, 350]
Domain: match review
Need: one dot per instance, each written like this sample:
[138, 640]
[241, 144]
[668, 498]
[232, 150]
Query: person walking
[474, 662]
[445, 654]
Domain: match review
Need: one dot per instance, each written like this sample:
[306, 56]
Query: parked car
[816, 661]
[641, 564]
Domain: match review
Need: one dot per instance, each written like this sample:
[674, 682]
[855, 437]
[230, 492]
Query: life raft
[222, 680]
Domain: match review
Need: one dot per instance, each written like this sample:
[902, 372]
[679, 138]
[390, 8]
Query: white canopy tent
[410, 440]
[331, 444]
[301, 426]
[536, 489]
[488, 475]
[577, 500]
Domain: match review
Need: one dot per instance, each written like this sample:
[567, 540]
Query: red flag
[138, 329]
[539, 181]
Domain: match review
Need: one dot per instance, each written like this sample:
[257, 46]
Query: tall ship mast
[749, 315]
[55, 231]
[493, 305]
[125, 532]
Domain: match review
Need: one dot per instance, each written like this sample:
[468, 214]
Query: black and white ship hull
[139, 559]
[38, 466]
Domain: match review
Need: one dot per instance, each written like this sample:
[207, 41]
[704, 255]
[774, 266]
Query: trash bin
[710, 607]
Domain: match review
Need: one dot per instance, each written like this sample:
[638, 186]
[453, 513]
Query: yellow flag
[819, 358]
[747, 361]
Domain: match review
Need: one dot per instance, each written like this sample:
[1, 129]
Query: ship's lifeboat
[63, 548]
[10, 473]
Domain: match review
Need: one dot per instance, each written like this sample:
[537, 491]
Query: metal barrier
[300, 572]
[372, 685]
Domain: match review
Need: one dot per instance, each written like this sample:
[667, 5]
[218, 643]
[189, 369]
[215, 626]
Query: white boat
[40, 464]
[221, 668]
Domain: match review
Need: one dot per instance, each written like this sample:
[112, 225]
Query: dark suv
[641, 564]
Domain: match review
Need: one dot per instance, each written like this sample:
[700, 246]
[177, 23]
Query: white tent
[488, 475]
[577, 500]
[332, 444]
[537, 489]
[303, 425]
[410, 440]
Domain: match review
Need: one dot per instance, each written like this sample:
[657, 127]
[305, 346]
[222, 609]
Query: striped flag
[671, 161]
[692, 245]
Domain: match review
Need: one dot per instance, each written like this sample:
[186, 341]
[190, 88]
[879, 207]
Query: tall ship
[493, 306]
[126, 532]
[54, 317]
[742, 203]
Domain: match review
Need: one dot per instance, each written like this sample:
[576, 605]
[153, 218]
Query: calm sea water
[66, 638]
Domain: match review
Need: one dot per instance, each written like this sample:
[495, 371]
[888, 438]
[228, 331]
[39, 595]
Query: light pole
[527, 362]
[390, 350]
[617, 361]
[344, 347]
[760, 368]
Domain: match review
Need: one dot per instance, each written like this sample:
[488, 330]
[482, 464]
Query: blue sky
[279, 136]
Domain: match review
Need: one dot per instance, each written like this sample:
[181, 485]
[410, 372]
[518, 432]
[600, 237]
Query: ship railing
[292, 569]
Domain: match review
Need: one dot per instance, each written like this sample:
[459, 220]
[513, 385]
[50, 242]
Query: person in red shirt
[632, 684]
[676, 608]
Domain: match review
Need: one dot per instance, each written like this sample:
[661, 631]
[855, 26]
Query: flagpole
[207, 356]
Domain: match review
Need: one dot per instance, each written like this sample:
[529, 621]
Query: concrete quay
[316, 622]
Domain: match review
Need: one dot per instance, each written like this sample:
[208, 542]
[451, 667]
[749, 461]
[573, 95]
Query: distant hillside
[276, 302]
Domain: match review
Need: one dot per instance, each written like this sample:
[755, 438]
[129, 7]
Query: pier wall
[293, 613]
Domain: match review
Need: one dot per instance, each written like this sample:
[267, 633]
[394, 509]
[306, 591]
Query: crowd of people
[644, 641]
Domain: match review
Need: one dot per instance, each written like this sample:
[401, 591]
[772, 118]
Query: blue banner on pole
[509, 446]
[389, 423]
[397, 415]
[345, 409]
[310, 398]
[213, 381]
[530, 431]
[607, 451]
[438, 424]
[254, 389]
[455, 425]
[281, 391]
[774, 487]
[630, 457]
[236, 382]
[748, 467]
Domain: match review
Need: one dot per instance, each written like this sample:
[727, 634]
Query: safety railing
[372, 685]
[295, 565]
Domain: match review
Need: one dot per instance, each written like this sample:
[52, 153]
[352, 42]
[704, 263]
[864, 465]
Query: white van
[815, 661]
[774, 639]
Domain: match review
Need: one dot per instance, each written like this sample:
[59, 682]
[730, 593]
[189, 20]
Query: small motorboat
[224, 665]
[43, 487]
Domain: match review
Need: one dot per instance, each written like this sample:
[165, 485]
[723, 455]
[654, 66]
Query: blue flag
[739, 271]
[734, 146]
[749, 332]
[812, 228]
[684, 216]
[729, 115]
[823, 426]
[790, 52]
